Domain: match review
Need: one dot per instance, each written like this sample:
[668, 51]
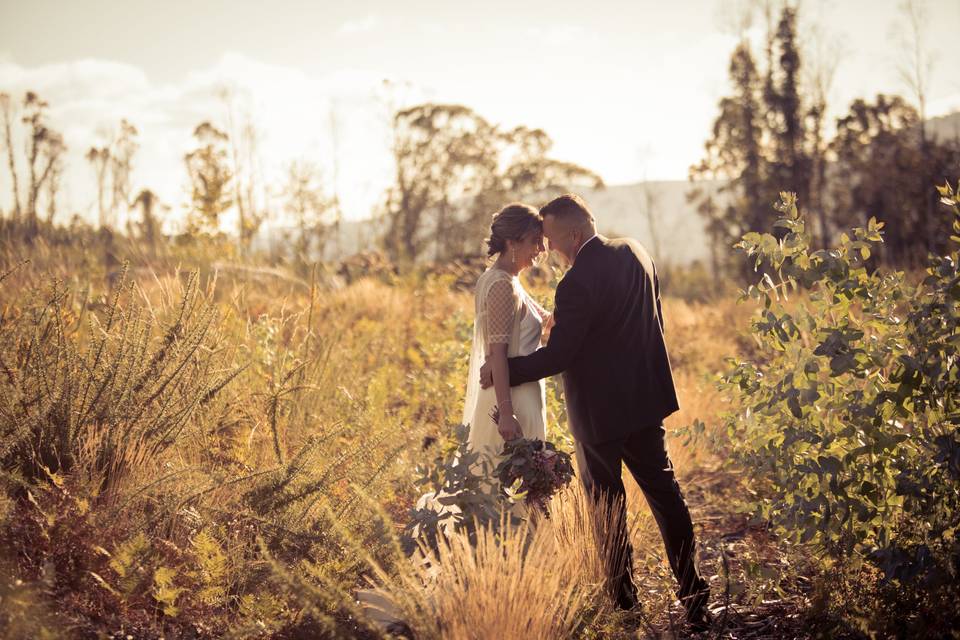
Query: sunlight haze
[627, 89]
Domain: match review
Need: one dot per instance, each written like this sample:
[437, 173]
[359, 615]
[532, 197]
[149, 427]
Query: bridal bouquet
[540, 469]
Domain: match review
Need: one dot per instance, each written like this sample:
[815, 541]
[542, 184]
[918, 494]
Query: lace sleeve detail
[501, 305]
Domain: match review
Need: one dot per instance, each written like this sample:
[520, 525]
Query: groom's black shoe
[626, 595]
[628, 607]
[699, 620]
[698, 617]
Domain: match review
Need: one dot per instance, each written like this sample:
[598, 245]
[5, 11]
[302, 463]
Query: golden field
[198, 448]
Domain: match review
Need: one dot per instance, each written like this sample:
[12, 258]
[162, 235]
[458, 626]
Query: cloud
[364, 25]
[556, 35]
[94, 79]
[291, 110]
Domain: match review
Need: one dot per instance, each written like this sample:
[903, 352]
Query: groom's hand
[486, 375]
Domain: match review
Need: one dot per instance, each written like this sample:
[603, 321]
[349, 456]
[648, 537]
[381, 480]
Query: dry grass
[700, 337]
[334, 387]
[545, 578]
[247, 418]
[511, 584]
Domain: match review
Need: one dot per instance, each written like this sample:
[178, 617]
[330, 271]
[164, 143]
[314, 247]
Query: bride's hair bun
[513, 222]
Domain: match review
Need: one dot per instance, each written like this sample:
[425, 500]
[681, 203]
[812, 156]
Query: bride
[508, 323]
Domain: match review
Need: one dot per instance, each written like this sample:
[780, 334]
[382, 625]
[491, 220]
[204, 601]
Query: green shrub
[108, 398]
[849, 417]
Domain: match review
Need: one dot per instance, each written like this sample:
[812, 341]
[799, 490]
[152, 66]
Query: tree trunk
[8, 137]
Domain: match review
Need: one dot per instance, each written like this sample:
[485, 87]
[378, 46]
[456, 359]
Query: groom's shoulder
[621, 242]
[631, 245]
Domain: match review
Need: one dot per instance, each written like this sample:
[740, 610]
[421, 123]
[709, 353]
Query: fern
[164, 592]
[127, 561]
[262, 611]
[213, 568]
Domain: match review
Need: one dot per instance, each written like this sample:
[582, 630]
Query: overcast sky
[626, 88]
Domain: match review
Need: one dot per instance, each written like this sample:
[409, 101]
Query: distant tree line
[770, 136]
[453, 170]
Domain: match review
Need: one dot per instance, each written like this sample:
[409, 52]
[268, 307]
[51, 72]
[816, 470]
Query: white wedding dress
[505, 313]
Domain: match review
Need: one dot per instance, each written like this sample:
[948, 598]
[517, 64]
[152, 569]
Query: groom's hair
[569, 208]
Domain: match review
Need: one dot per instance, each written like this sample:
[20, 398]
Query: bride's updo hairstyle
[513, 222]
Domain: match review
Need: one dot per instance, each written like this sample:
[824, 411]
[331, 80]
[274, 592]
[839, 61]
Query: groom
[608, 342]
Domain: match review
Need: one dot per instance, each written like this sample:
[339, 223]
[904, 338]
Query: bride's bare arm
[508, 426]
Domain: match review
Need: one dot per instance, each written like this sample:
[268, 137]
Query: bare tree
[704, 201]
[6, 106]
[123, 149]
[210, 179]
[257, 208]
[651, 202]
[244, 139]
[53, 188]
[916, 67]
[335, 177]
[650, 206]
[44, 148]
[99, 159]
[822, 55]
[150, 230]
[915, 70]
[311, 208]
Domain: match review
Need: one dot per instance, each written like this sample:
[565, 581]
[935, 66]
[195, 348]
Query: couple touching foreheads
[606, 336]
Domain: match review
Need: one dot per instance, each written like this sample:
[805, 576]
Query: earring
[513, 256]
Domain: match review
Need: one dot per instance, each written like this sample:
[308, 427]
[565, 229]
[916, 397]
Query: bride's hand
[509, 427]
[548, 323]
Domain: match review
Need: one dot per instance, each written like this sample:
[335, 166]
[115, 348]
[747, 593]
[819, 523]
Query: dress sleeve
[501, 307]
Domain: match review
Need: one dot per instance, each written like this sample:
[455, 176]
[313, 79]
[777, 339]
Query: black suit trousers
[645, 454]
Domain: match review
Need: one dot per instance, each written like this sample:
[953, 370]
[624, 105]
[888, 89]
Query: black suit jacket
[608, 342]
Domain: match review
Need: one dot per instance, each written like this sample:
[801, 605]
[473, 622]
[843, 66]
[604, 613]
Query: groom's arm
[572, 314]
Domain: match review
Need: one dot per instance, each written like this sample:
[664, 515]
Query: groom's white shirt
[585, 244]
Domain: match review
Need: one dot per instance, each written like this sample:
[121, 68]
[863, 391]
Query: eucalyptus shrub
[849, 416]
[460, 497]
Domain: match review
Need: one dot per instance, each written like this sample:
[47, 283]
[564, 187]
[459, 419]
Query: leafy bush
[850, 417]
[460, 496]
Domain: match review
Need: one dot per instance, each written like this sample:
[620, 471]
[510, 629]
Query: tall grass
[227, 452]
[543, 578]
[140, 411]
